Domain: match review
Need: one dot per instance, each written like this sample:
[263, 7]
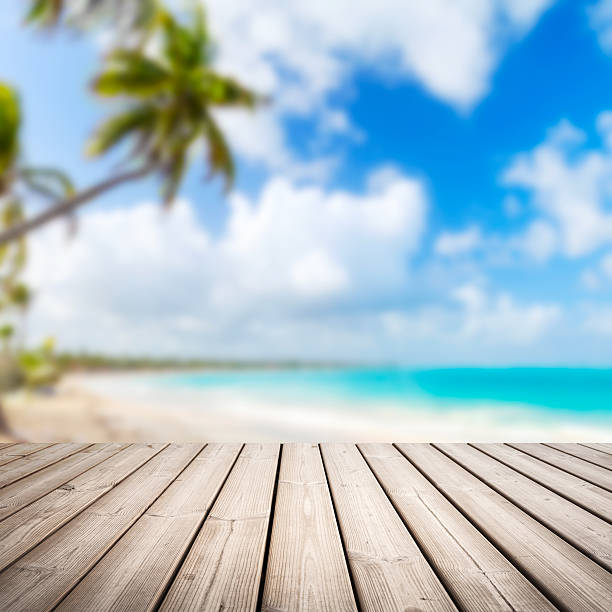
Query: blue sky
[430, 185]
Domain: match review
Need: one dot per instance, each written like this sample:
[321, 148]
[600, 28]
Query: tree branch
[68, 205]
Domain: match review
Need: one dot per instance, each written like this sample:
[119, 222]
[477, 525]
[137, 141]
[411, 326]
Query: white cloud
[259, 136]
[298, 271]
[449, 243]
[606, 265]
[317, 274]
[570, 187]
[139, 279]
[590, 280]
[301, 52]
[600, 17]
[539, 241]
[498, 319]
[478, 324]
[595, 278]
[598, 321]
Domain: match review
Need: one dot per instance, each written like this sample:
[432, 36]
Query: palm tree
[165, 109]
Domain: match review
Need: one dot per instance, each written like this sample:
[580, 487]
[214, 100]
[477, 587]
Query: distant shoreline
[98, 407]
[91, 363]
[86, 362]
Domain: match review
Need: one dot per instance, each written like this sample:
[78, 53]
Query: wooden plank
[306, 566]
[135, 573]
[562, 462]
[223, 568]
[585, 453]
[31, 525]
[590, 497]
[585, 531]
[388, 569]
[478, 576]
[45, 575]
[27, 490]
[24, 466]
[603, 447]
[10, 452]
[568, 578]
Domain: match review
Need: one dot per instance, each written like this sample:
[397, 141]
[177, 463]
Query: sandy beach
[96, 407]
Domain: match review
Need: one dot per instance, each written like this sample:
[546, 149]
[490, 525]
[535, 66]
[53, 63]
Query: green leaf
[7, 331]
[12, 213]
[219, 156]
[115, 129]
[45, 12]
[184, 48]
[225, 91]
[132, 73]
[49, 182]
[9, 126]
[20, 295]
[174, 175]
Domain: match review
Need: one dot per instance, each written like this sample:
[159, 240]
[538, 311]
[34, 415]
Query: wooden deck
[306, 527]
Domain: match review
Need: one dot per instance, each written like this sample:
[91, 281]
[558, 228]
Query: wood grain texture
[195, 527]
[568, 578]
[604, 448]
[15, 496]
[31, 525]
[585, 531]
[388, 569]
[306, 565]
[10, 451]
[584, 452]
[33, 462]
[135, 573]
[223, 568]
[579, 469]
[479, 577]
[590, 497]
[45, 575]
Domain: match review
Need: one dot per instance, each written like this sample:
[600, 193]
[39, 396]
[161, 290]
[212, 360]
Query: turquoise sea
[390, 403]
[543, 394]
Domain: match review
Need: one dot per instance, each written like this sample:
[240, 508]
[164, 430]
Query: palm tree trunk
[64, 207]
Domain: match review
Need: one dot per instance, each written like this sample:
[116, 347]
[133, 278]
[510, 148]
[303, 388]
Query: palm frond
[125, 124]
[219, 155]
[225, 91]
[173, 93]
[12, 255]
[174, 175]
[185, 47]
[48, 182]
[47, 13]
[9, 126]
[131, 73]
[11, 213]
[125, 16]
[20, 295]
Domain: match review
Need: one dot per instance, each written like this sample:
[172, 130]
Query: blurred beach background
[352, 220]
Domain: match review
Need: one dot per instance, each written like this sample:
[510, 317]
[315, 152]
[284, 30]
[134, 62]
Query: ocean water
[573, 395]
